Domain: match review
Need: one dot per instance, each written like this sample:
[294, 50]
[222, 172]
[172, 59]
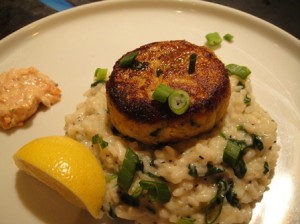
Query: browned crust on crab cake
[134, 113]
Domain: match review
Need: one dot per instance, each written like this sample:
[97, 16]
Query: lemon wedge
[66, 166]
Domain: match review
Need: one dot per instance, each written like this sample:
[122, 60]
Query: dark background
[285, 14]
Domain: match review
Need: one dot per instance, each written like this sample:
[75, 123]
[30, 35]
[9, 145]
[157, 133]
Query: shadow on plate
[48, 206]
[27, 123]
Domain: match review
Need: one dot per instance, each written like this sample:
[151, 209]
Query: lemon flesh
[66, 166]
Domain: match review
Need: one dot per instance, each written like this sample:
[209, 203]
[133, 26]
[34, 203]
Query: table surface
[285, 14]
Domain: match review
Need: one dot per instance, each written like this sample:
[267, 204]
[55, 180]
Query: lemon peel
[66, 166]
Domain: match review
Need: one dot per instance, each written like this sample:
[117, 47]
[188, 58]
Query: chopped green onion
[229, 37]
[193, 170]
[235, 149]
[257, 142]
[212, 170]
[137, 192]
[185, 220]
[247, 101]
[266, 167]
[100, 74]
[213, 39]
[192, 64]
[157, 191]
[128, 59]
[240, 168]
[241, 143]
[232, 156]
[179, 101]
[241, 127]
[162, 92]
[241, 71]
[213, 210]
[231, 196]
[231, 153]
[223, 135]
[96, 139]
[96, 83]
[214, 207]
[128, 169]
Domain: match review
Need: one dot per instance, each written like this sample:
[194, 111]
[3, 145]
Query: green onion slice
[162, 92]
[179, 101]
[256, 140]
[192, 64]
[214, 207]
[137, 192]
[96, 139]
[247, 101]
[229, 37]
[212, 170]
[100, 74]
[213, 210]
[241, 71]
[232, 153]
[193, 170]
[157, 191]
[231, 196]
[240, 168]
[128, 169]
[128, 59]
[213, 39]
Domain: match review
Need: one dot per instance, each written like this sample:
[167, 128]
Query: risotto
[202, 187]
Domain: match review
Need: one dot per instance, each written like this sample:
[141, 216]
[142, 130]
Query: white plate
[68, 46]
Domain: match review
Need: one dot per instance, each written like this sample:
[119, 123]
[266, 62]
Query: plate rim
[280, 34]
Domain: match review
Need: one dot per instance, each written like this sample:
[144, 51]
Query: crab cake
[136, 75]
